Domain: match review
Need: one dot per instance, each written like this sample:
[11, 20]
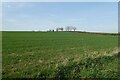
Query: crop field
[59, 55]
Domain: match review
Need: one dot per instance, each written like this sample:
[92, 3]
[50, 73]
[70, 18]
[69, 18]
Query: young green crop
[58, 54]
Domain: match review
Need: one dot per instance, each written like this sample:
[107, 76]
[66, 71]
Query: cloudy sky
[86, 16]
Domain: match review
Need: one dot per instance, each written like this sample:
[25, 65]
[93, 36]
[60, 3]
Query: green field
[59, 55]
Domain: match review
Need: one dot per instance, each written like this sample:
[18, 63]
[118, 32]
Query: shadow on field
[87, 68]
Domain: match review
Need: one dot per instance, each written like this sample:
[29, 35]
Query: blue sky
[86, 16]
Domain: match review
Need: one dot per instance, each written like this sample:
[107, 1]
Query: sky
[85, 16]
[60, 0]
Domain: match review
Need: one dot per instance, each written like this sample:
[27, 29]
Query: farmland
[59, 55]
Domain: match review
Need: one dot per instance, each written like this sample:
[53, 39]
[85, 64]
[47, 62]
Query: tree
[74, 28]
[69, 28]
[59, 29]
[53, 30]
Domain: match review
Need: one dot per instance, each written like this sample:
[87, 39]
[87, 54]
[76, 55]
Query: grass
[0, 55]
[59, 55]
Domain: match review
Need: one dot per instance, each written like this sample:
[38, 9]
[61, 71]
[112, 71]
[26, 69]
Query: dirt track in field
[113, 34]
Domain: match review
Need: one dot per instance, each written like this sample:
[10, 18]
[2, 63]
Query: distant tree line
[67, 28]
[70, 28]
[59, 29]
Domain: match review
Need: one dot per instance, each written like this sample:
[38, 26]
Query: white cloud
[53, 15]
[28, 16]
[10, 20]
[8, 6]
[77, 19]
[17, 5]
